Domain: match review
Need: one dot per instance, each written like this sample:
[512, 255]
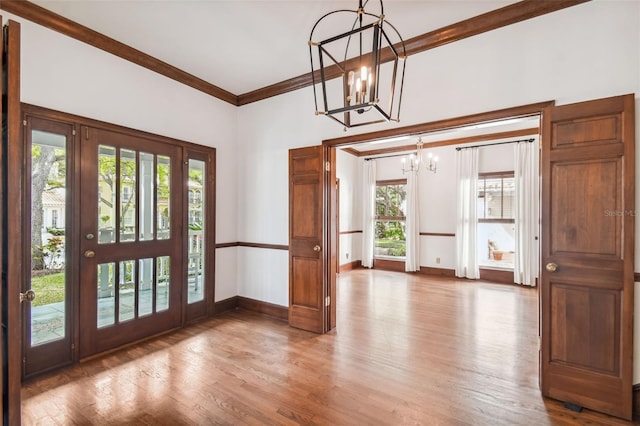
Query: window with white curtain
[496, 219]
[390, 240]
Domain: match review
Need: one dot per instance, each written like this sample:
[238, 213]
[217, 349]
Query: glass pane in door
[106, 295]
[127, 290]
[127, 183]
[147, 193]
[106, 194]
[163, 197]
[48, 236]
[163, 283]
[196, 225]
[145, 288]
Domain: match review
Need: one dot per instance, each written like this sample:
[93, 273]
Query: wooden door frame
[330, 146]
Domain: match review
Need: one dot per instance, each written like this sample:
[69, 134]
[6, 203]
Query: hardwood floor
[408, 349]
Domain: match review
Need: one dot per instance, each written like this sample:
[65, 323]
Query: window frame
[377, 218]
[497, 175]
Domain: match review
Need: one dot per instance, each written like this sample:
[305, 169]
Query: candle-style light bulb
[350, 81]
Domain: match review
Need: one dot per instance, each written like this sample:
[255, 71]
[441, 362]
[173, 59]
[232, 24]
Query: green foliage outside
[48, 288]
[390, 239]
[47, 254]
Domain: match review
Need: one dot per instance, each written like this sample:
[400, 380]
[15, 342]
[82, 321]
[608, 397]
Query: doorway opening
[586, 287]
[436, 195]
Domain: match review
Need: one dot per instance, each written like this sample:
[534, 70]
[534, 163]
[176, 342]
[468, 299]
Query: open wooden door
[12, 164]
[309, 251]
[587, 254]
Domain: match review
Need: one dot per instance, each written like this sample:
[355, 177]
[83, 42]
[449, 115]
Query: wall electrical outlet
[347, 255]
[437, 260]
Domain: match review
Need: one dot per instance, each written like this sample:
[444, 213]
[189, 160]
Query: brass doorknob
[89, 254]
[552, 267]
[317, 248]
[28, 296]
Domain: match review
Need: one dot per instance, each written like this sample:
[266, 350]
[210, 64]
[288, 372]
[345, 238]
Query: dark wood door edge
[636, 276]
[489, 21]
[15, 226]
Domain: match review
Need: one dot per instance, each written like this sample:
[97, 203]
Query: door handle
[317, 248]
[27, 296]
[551, 267]
[89, 254]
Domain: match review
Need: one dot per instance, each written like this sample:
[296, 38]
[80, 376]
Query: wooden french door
[130, 239]
[587, 254]
[48, 250]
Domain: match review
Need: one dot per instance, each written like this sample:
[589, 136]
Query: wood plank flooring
[408, 350]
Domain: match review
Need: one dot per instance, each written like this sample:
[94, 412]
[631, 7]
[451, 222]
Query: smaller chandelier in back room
[360, 71]
[416, 162]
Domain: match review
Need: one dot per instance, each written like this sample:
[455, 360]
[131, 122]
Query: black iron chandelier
[358, 86]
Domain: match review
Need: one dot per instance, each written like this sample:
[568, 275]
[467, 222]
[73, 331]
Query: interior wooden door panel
[587, 253]
[306, 288]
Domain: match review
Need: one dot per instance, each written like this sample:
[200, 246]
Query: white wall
[63, 74]
[584, 52]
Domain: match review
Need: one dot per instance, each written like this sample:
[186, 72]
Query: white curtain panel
[412, 224]
[369, 212]
[525, 268]
[467, 213]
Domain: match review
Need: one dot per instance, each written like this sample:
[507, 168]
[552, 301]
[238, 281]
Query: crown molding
[489, 21]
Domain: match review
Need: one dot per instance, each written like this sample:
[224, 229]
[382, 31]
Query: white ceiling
[243, 45]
